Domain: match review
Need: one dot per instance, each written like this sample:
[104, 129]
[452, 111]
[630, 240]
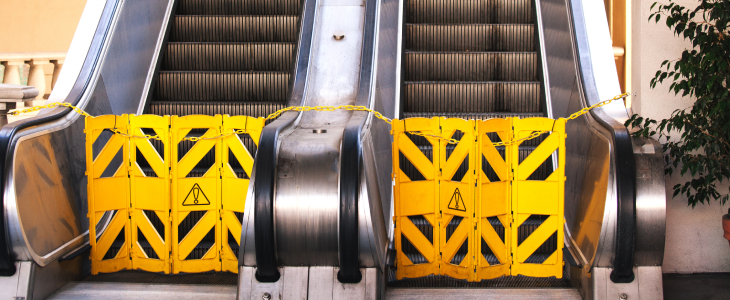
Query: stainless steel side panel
[591, 189]
[45, 191]
[307, 202]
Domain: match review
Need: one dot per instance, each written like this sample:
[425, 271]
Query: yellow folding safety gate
[486, 213]
[146, 208]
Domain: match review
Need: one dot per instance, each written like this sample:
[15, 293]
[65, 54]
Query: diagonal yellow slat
[107, 154]
[241, 153]
[495, 160]
[211, 253]
[537, 157]
[150, 233]
[149, 153]
[416, 238]
[193, 238]
[181, 134]
[420, 161]
[110, 234]
[403, 176]
[123, 251]
[457, 157]
[457, 239]
[494, 242]
[551, 259]
[233, 225]
[193, 157]
[536, 239]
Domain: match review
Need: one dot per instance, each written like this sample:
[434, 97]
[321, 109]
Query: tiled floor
[697, 286]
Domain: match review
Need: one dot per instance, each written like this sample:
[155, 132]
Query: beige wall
[38, 25]
[694, 236]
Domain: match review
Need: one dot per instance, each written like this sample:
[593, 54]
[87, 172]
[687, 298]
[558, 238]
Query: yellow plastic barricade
[235, 187]
[196, 193]
[476, 219]
[108, 193]
[456, 201]
[493, 205]
[416, 198]
[174, 189]
[542, 200]
[150, 193]
[444, 201]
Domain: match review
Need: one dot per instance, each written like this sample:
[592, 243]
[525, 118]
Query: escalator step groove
[469, 11]
[222, 86]
[471, 66]
[256, 109]
[234, 29]
[238, 7]
[470, 37]
[228, 56]
[449, 96]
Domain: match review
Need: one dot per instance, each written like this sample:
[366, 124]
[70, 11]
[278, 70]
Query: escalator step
[471, 66]
[441, 97]
[228, 56]
[470, 37]
[222, 86]
[239, 7]
[469, 11]
[254, 109]
[234, 29]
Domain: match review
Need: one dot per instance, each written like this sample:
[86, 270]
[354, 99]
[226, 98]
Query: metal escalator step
[222, 86]
[234, 29]
[469, 11]
[184, 108]
[228, 57]
[470, 37]
[471, 116]
[439, 97]
[471, 66]
[239, 7]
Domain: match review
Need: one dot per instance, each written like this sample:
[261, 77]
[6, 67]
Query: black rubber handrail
[625, 165]
[267, 152]
[9, 132]
[351, 158]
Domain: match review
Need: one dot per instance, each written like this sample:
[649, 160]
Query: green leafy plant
[696, 140]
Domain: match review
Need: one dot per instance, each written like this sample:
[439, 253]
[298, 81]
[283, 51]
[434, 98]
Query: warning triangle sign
[457, 203]
[196, 197]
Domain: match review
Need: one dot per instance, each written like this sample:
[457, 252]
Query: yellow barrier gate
[108, 193]
[150, 188]
[478, 215]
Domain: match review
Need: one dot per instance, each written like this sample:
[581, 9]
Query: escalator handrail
[351, 159]
[267, 153]
[10, 133]
[625, 168]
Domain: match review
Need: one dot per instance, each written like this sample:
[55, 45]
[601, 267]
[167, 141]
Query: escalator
[474, 60]
[319, 210]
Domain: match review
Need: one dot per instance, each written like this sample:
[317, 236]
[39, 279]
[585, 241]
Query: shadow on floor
[697, 286]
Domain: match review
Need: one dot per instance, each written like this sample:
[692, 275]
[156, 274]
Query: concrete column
[12, 74]
[57, 65]
[37, 78]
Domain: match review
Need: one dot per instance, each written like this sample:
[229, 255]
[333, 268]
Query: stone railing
[36, 76]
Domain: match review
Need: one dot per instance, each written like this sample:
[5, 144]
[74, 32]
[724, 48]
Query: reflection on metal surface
[81, 82]
[651, 203]
[306, 205]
